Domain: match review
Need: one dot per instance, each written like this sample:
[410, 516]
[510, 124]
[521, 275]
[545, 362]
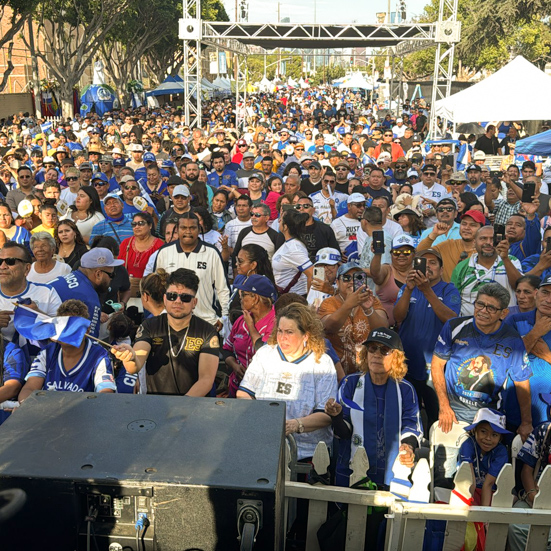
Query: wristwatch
[300, 429]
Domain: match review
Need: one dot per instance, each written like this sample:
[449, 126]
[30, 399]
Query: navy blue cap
[257, 284]
[119, 162]
[99, 176]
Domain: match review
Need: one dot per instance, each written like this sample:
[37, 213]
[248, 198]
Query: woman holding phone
[350, 315]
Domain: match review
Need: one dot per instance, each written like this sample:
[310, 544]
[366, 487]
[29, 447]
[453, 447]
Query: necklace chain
[183, 341]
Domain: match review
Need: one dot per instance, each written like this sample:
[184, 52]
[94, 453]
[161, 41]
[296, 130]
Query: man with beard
[446, 212]
[474, 174]
[97, 269]
[487, 265]
[342, 170]
[399, 171]
[407, 140]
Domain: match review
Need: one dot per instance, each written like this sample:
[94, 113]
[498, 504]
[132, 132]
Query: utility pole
[34, 65]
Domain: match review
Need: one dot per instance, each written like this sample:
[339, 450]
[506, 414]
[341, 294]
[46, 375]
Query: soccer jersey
[232, 229]
[46, 298]
[173, 365]
[93, 372]
[206, 262]
[323, 208]
[289, 259]
[478, 364]
[483, 463]
[422, 326]
[536, 447]
[345, 230]
[16, 367]
[469, 276]
[304, 385]
[77, 285]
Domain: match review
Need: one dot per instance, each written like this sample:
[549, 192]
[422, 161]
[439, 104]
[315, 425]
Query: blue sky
[302, 11]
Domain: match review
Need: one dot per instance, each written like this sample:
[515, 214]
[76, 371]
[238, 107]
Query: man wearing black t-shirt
[376, 186]
[313, 182]
[316, 235]
[488, 142]
[180, 350]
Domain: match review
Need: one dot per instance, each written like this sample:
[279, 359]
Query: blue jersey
[479, 191]
[483, 463]
[479, 364]
[93, 373]
[531, 244]
[22, 236]
[125, 381]
[227, 178]
[529, 264]
[16, 367]
[421, 327]
[540, 382]
[76, 285]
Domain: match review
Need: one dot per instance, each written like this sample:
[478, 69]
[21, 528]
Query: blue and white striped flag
[38, 327]
[46, 127]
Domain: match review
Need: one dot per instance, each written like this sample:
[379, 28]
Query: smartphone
[287, 207]
[420, 264]
[499, 234]
[319, 273]
[528, 191]
[496, 174]
[378, 242]
[358, 279]
[548, 244]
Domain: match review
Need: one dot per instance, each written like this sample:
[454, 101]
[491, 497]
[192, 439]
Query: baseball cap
[474, 167]
[99, 176]
[385, 336]
[328, 255]
[333, 153]
[136, 147]
[257, 284]
[434, 252]
[119, 162]
[447, 201]
[248, 155]
[458, 177]
[416, 138]
[546, 281]
[345, 268]
[112, 196]
[149, 157]
[128, 178]
[427, 167]
[49, 160]
[67, 161]
[85, 166]
[241, 142]
[413, 173]
[494, 418]
[181, 190]
[476, 215]
[175, 181]
[320, 149]
[293, 139]
[256, 175]
[399, 119]
[479, 156]
[99, 258]
[314, 164]
[355, 198]
[402, 241]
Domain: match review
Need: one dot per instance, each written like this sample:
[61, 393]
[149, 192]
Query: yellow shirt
[42, 228]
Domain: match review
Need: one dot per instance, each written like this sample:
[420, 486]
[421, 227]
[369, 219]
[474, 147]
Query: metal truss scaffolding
[247, 39]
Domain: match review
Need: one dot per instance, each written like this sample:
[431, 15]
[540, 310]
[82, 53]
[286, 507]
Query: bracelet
[533, 490]
[370, 313]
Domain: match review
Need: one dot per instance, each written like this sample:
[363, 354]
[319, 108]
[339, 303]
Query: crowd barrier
[409, 510]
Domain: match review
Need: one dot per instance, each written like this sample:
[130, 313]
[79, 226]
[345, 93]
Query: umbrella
[470, 128]
[540, 144]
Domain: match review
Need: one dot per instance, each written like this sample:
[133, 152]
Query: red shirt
[136, 261]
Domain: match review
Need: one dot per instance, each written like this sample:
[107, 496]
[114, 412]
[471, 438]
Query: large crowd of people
[325, 254]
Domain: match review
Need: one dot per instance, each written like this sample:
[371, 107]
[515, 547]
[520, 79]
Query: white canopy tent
[518, 92]
[357, 80]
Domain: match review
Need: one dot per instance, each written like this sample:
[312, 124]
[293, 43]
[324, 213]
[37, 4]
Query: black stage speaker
[94, 464]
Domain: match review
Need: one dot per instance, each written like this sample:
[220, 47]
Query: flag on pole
[38, 327]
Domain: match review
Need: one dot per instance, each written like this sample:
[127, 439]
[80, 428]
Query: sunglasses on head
[184, 297]
[372, 348]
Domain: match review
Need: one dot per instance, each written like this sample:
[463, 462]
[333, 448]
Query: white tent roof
[356, 81]
[519, 91]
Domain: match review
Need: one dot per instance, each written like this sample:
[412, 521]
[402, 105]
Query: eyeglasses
[11, 260]
[138, 223]
[429, 173]
[71, 178]
[184, 297]
[346, 278]
[303, 207]
[131, 188]
[399, 252]
[99, 184]
[445, 209]
[479, 305]
[110, 274]
[372, 348]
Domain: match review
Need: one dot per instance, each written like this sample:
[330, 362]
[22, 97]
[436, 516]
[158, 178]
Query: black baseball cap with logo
[385, 336]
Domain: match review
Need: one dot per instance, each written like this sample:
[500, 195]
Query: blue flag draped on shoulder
[38, 327]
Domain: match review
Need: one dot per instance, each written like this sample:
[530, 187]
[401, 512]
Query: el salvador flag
[46, 127]
[37, 327]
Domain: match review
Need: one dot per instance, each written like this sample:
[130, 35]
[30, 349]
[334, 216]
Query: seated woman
[45, 269]
[377, 409]
[349, 315]
[62, 367]
[411, 221]
[70, 245]
[294, 368]
[12, 232]
[252, 329]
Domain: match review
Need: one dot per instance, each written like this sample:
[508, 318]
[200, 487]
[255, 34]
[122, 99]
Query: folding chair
[443, 454]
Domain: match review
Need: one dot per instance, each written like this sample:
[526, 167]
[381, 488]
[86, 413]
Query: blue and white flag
[38, 327]
[46, 127]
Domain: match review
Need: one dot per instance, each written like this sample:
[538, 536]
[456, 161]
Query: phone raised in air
[378, 242]
[319, 273]
[420, 264]
[358, 279]
[528, 192]
[499, 234]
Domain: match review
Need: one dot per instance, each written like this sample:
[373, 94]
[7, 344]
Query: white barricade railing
[406, 519]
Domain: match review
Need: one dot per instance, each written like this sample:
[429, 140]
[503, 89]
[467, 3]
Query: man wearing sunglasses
[25, 186]
[93, 278]
[431, 192]
[178, 349]
[446, 212]
[456, 367]
[346, 227]
[389, 145]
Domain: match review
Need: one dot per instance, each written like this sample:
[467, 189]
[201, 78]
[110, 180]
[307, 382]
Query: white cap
[384, 155]
[328, 255]
[413, 172]
[135, 147]
[356, 198]
[399, 119]
[403, 241]
[48, 159]
[479, 156]
[181, 190]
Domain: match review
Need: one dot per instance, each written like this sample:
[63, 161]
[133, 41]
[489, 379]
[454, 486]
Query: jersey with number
[478, 364]
[206, 262]
[304, 385]
[77, 285]
[173, 364]
[93, 372]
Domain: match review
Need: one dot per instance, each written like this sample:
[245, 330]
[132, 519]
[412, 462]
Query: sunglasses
[71, 179]
[243, 145]
[429, 173]
[389, 135]
[110, 274]
[303, 207]
[372, 348]
[329, 181]
[131, 188]
[398, 252]
[456, 183]
[98, 184]
[138, 223]
[347, 278]
[10, 261]
[401, 166]
[184, 297]
[445, 209]
[257, 214]
[342, 169]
